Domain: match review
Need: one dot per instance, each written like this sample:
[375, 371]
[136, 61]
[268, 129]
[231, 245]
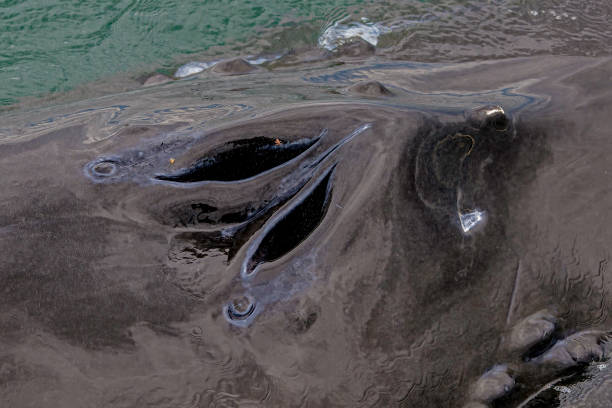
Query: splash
[195, 67]
[338, 33]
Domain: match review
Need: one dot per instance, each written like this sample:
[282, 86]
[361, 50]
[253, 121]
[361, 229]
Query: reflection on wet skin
[242, 159]
[292, 227]
[235, 218]
[451, 160]
[197, 244]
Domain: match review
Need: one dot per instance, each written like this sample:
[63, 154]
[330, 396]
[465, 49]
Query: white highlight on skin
[494, 111]
[471, 219]
[200, 183]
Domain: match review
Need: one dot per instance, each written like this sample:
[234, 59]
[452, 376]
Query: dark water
[328, 229]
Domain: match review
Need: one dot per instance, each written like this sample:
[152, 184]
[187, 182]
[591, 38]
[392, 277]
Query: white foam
[260, 60]
[338, 33]
[193, 67]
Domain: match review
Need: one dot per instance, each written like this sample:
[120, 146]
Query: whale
[379, 233]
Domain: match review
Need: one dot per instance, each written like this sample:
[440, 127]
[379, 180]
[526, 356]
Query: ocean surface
[53, 46]
[50, 47]
[306, 204]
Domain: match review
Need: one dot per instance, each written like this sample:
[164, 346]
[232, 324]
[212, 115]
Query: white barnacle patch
[471, 219]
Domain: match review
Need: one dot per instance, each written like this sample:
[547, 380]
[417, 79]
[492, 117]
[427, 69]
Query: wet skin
[335, 274]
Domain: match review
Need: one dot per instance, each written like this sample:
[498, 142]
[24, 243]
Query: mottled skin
[114, 285]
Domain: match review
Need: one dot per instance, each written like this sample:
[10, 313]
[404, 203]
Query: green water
[49, 46]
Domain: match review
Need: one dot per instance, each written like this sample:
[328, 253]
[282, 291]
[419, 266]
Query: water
[52, 46]
[341, 224]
